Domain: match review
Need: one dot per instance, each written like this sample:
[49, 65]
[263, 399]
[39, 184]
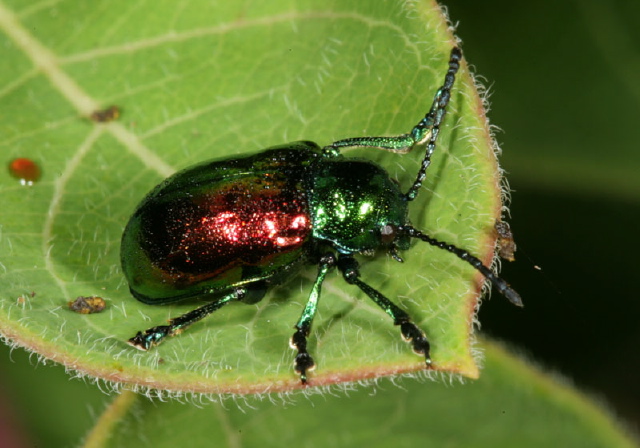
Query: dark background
[564, 79]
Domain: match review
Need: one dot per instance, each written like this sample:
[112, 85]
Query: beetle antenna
[429, 126]
[499, 283]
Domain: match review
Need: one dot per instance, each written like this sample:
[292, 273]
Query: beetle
[230, 229]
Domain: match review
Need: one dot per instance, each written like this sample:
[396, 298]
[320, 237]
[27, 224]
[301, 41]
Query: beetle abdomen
[230, 226]
[248, 222]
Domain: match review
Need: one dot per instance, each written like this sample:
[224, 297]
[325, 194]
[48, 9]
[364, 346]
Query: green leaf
[200, 81]
[510, 405]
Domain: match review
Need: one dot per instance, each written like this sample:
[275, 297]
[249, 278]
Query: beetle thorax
[353, 203]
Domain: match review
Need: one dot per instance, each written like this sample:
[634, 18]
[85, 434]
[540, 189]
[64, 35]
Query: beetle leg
[401, 144]
[502, 286]
[410, 332]
[304, 361]
[429, 128]
[425, 132]
[154, 336]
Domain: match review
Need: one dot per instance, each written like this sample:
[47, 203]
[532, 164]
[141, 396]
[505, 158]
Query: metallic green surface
[312, 303]
[351, 201]
[155, 279]
[154, 336]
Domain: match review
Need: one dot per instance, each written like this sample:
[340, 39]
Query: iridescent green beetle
[229, 229]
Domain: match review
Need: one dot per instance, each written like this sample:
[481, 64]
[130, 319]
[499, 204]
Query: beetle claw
[150, 338]
[139, 342]
[420, 344]
[303, 364]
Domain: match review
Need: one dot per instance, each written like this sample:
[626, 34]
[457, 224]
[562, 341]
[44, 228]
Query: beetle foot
[150, 338]
[420, 344]
[303, 362]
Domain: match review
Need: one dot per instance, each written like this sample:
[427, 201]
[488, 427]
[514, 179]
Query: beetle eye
[388, 233]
